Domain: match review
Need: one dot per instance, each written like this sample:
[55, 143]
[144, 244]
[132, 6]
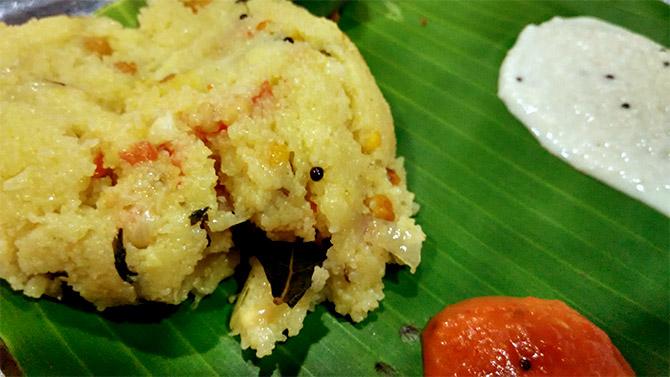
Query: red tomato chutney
[509, 336]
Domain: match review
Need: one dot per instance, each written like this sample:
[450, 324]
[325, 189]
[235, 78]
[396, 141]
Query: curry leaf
[120, 259]
[124, 11]
[288, 266]
[198, 215]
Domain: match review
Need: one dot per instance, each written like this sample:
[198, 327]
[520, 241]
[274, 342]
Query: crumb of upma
[128, 156]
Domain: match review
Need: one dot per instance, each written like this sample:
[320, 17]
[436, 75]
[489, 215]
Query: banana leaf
[502, 215]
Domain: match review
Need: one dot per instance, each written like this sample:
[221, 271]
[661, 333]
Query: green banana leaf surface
[502, 216]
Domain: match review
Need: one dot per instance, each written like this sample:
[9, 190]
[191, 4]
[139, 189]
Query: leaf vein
[61, 338]
[540, 247]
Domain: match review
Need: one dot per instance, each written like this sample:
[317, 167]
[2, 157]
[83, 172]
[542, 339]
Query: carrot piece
[140, 152]
[381, 207]
[100, 170]
[262, 25]
[265, 91]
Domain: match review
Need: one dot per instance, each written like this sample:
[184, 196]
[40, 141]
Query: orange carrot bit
[100, 170]
[204, 134]
[265, 91]
[262, 25]
[381, 207]
[140, 152]
[99, 167]
[98, 45]
[393, 177]
[195, 5]
[126, 67]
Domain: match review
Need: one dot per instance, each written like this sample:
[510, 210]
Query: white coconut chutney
[598, 96]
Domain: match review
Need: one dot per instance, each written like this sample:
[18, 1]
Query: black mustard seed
[625, 105]
[288, 39]
[524, 363]
[316, 173]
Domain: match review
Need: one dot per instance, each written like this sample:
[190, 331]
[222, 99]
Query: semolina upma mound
[145, 164]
